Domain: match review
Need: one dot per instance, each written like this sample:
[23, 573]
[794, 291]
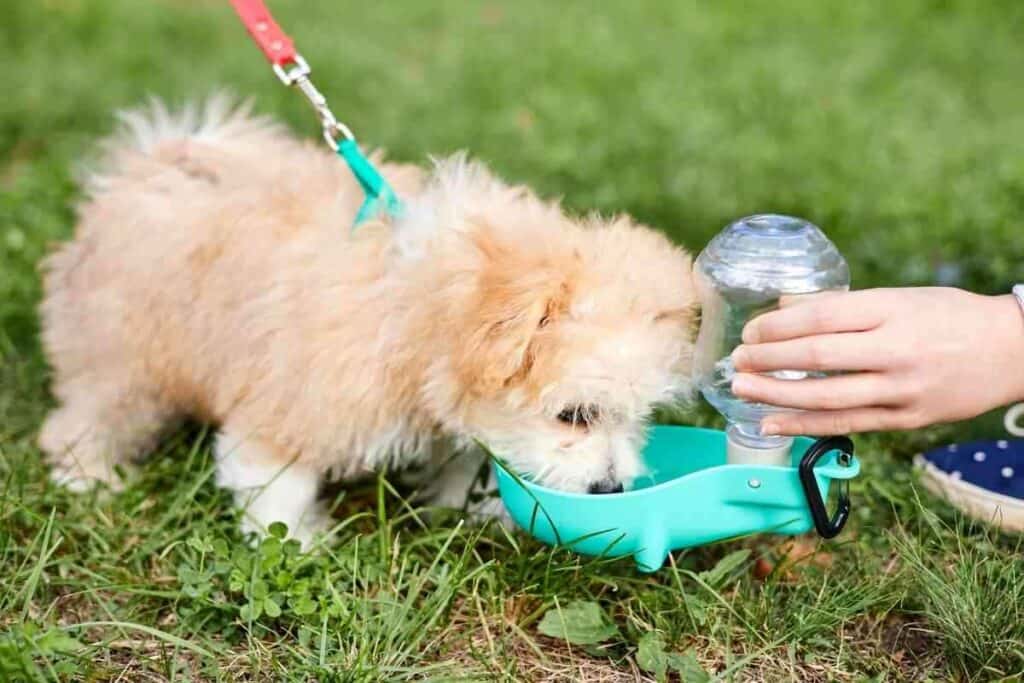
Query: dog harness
[293, 70]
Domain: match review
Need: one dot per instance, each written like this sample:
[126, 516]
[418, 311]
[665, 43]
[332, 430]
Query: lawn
[896, 126]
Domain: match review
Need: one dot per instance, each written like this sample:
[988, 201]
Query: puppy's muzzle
[605, 486]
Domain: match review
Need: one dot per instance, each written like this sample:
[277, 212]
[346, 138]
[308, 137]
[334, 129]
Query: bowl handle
[826, 527]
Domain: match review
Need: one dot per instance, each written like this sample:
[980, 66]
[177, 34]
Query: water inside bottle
[717, 389]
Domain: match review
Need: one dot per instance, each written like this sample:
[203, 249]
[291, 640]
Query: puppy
[214, 274]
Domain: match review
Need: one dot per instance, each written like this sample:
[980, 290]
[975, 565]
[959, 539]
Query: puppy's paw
[81, 454]
[312, 528]
[80, 477]
[477, 507]
[309, 530]
[77, 480]
[490, 507]
[465, 483]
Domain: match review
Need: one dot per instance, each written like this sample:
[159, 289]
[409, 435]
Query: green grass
[895, 126]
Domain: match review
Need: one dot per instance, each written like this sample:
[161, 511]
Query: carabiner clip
[825, 526]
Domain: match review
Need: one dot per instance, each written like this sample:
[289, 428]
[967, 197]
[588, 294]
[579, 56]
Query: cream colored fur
[213, 275]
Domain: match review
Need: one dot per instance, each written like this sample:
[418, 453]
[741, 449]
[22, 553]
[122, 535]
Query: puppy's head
[554, 337]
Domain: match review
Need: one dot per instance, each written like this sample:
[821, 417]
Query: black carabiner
[827, 528]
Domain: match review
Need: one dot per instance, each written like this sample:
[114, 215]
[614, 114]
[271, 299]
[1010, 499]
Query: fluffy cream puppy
[213, 275]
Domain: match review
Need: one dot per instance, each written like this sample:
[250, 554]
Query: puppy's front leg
[466, 482]
[269, 488]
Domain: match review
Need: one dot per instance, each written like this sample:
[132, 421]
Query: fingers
[787, 300]
[821, 353]
[814, 315]
[833, 393]
[830, 423]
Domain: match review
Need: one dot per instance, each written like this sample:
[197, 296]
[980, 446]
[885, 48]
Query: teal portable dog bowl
[688, 497]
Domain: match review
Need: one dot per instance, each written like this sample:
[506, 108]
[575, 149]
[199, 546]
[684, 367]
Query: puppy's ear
[513, 300]
[498, 349]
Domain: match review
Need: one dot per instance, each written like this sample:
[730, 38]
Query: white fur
[267, 492]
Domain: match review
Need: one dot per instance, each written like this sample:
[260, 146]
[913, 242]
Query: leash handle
[292, 70]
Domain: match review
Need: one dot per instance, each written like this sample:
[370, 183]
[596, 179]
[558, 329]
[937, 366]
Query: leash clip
[379, 195]
[297, 75]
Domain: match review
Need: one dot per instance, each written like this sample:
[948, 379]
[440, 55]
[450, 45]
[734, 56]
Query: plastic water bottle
[741, 274]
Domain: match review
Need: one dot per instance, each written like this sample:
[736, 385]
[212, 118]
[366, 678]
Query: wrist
[1018, 292]
[1008, 329]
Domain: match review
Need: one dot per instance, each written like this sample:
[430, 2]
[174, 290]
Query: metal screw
[754, 483]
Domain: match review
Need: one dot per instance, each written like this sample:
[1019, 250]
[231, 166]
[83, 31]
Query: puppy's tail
[152, 140]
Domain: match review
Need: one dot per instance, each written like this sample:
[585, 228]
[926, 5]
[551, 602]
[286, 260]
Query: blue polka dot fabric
[996, 466]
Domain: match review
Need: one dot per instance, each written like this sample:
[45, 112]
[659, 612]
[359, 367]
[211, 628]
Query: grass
[895, 126]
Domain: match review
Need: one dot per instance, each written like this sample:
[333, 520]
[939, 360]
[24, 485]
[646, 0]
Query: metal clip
[298, 75]
[299, 69]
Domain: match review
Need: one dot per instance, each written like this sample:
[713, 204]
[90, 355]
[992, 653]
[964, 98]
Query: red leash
[279, 50]
[274, 43]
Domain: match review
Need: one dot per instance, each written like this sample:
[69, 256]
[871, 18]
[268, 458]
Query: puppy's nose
[605, 486]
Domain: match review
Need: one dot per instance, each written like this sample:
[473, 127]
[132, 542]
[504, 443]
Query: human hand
[921, 356]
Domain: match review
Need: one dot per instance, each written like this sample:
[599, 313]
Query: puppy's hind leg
[98, 427]
[269, 488]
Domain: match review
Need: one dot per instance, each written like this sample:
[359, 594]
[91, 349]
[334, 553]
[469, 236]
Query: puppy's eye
[578, 416]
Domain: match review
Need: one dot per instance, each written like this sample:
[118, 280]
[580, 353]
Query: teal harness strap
[379, 195]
